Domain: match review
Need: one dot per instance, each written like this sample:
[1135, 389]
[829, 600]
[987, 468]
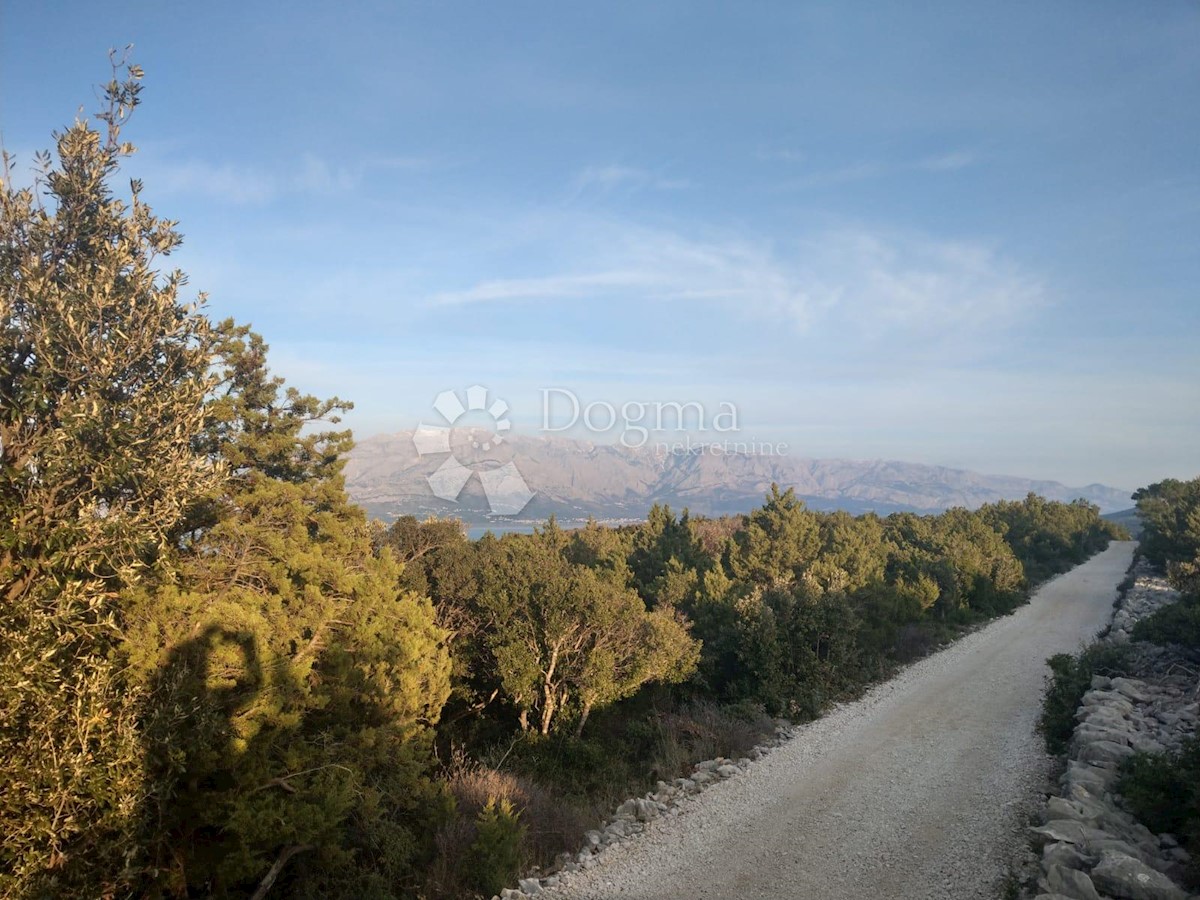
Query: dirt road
[919, 790]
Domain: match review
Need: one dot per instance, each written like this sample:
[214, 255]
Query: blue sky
[950, 233]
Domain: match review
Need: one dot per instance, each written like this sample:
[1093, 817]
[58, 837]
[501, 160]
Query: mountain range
[575, 479]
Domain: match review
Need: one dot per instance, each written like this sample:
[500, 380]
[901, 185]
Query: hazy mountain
[1129, 518]
[575, 479]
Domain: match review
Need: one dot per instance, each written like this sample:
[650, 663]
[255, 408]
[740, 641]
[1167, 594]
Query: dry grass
[554, 824]
[703, 730]
[554, 813]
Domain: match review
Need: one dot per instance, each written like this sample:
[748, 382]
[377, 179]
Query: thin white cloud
[554, 287]
[779, 154]
[867, 170]
[613, 176]
[947, 162]
[883, 282]
[249, 185]
[873, 283]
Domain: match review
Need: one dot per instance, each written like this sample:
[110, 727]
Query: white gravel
[921, 789]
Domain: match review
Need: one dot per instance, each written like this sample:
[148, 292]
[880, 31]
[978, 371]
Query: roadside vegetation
[1070, 678]
[1159, 788]
[1163, 790]
[217, 678]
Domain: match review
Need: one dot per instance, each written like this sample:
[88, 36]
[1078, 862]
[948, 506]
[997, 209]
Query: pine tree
[776, 541]
[210, 682]
[283, 648]
[102, 387]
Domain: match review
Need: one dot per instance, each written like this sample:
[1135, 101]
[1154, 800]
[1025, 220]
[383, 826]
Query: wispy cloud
[871, 282]
[251, 185]
[917, 283]
[612, 177]
[867, 170]
[779, 154]
[552, 287]
[946, 162]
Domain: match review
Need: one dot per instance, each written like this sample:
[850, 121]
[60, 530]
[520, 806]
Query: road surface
[921, 789]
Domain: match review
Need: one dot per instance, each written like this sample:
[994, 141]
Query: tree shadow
[192, 744]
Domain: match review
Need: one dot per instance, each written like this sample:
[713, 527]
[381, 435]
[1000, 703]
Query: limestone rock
[1069, 883]
[1130, 879]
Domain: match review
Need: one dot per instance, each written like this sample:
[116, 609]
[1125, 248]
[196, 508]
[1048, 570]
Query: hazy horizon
[956, 236]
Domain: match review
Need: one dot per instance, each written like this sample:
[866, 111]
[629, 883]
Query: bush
[1163, 791]
[494, 858]
[551, 823]
[1155, 786]
[1070, 677]
[1178, 623]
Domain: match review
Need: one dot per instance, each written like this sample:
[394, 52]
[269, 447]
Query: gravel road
[921, 789]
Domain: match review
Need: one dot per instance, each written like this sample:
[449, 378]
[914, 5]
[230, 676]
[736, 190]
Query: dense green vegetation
[782, 611]
[1170, 511]
[1162, 789]
[210, 682]
[1170, 516]
[218, 679]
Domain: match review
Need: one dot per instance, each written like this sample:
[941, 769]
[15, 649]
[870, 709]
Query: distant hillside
[1129, 518]
[576, 479]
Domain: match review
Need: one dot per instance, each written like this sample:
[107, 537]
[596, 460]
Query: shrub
[1163, 791]
[1070, 677]
[1156, 789]
[1178, 623]
[494, 858]
[550, 823]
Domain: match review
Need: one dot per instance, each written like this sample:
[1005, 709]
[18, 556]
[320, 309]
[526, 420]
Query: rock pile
[635, 815]
[1092, 848]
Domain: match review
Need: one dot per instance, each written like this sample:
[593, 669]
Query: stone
[1086, 811]
[1127, 878]
[1104, 753]
[1060, 854]
[1101, 716]
[644, 810]
[1069, 883]
[728, 771]
[1096, 780]
[1146, 745]
[1134, 690]
[1067, 831]
[1114, 846]
[618, 828]
[530, 886]
[1087, 732]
